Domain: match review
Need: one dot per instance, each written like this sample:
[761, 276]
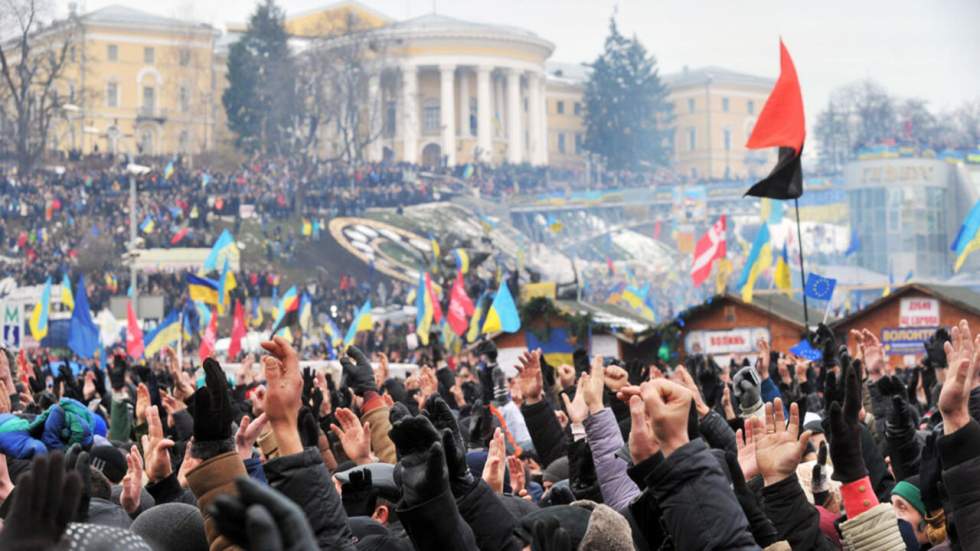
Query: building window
[112, 52]
[578, 142]
[750, 106]
[146, 142]
[149, 55]
[184, 142]
[578, 108]
[724, 104]
[692, 138]
[112, 94]
[560, 107]
[185, 58]
[690, 105]
[727, 138]
[430, 117]
[561, 142]
[391, 119]
[474, 111]
[184, 98]
[149, 100]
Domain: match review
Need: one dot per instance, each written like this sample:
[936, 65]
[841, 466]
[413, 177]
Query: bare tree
[32, 66]
[340, 103]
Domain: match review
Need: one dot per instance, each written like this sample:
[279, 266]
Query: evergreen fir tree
[260, 100]
[628, 120]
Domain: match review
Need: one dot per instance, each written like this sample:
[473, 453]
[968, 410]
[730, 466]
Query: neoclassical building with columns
[451, 91]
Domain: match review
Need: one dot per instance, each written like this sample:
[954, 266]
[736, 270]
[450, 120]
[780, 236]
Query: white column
[543, 117]
[410, 111]
[483, 113]
[515, 131]
[498, 106]
[464, 103]
[375, 118]
[534, 117]
[447, 112]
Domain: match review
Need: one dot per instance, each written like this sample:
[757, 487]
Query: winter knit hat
[172, 527]
[607, 529]
[110, 461]
[908, 490]
[95, 537]
[557, 470]
[575, 521]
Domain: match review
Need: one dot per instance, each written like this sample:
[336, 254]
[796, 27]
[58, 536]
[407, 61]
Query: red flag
[611, 266]
[210, 335]
[436, 307]
[134, 335]
[460, 307]
[656, 230]
[781, 124]
[710, 247]
[181, 233]
[237, 332]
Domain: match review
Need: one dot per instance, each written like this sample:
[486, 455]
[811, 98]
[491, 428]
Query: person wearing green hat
[908, 504]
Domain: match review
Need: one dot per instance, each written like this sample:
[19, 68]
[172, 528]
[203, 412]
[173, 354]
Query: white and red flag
[709, 248]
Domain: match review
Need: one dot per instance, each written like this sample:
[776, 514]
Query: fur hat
[607, 529]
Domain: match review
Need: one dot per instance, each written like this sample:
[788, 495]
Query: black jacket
[437, 526]
[795, 519]
[960, 454]
[717, 433]
[644, 511]
[545, 430]
[699, 508]
[492, 524]
[304, 479]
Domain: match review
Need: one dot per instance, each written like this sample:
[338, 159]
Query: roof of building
[438, 22]
[616, 317]
[959, 296]
[567, 73]
[776, 304]
[116, 14]
[713, 74]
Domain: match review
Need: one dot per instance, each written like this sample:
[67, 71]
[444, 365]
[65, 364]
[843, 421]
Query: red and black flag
[781, 125]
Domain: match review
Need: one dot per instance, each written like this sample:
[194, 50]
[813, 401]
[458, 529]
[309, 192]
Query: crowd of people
[843, 452]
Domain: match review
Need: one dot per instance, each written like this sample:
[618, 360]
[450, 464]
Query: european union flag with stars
[819, 287]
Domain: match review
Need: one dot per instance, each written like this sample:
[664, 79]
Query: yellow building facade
[138, 83]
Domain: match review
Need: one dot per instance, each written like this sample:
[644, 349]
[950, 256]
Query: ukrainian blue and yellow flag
[226, 285]
[165, 334]
[462, 260]
[760, 258]
[284, 306]
[782, 276]
[476, 320]
[967, 238]
[202, 289]
[223, 246]
[424, 311]
[436, 250]
[363, 321]
[147, 225]
[332, 332]
[888, 288]
[168, 171]
[39, 317]
[307, 227]
[256, 314]
[305, 311]
[67, 298]
[502, 315]
[636, 300]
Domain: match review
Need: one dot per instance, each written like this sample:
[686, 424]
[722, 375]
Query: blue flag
[855, 244]
[819, 287]
[83, 334]
[804, 350]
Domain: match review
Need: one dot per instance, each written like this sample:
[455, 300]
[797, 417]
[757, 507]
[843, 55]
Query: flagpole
[799, 237]
[180, 340]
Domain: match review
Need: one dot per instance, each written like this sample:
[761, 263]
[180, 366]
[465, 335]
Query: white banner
[919, 312]
[732, 341]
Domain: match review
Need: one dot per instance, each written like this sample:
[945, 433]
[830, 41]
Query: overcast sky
[914, 48]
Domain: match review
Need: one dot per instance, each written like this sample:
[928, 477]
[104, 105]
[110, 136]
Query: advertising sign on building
[901, 341]
[919, 312]
[12, 324]
[732, 341]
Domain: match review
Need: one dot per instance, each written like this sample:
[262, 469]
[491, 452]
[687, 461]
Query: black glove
[79, 461]
[818, 480]
[309, 383]
[550, 536]
[881, 393]
[461, 480]
[935, 354]
[360, 376]
[262, 518]
[899, 422]
[359, 494]
[421, 469]
[582, 478]
[559, 494]
[397, 412]
[309, 430]
[825, 341]
[931, 474]
[212, 406]
[117, 373]
[71, 388]
[43, 502]
[842, 426]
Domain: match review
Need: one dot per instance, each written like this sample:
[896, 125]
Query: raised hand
[682, 377]
[529, 377]
[4, 395]
[668, 404]
[842, 426]
[745, 442]
[45, 502]
[248, 433]
[871, 353]
[566, 375]
[550, 536]
[156, 448]
[778, 446]
[438, 412]
[577, 409]
[615, 377]
[764, 358]
[212, 405]
[262, 518]
[962, 357]
[518, 486]
[593, 388]
[283, 396]
[354, 437]
[142, 402]
[359, 375]
[381, 374]
[421, 469]
[642, 442]
[132, 483]
[493, 469]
